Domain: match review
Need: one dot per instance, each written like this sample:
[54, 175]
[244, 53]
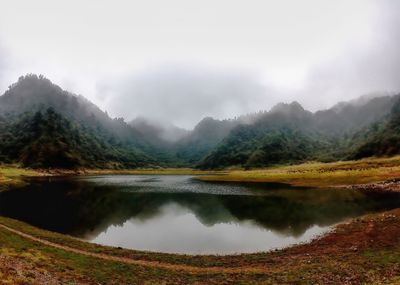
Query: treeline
[292, 135]
[43, 126]
[46, 139]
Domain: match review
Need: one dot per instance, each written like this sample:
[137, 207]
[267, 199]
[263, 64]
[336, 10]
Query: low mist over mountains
[43, 126]
[154, 130]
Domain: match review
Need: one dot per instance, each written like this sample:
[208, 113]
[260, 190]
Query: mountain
[46, 139]
[182, 147]
[380, 139]
[290, 134]
[202, 139]
[43, 126]
[33, 93]
[346, 117]
[280, 136]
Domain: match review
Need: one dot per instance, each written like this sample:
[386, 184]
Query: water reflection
[176, 229]
[178, 214]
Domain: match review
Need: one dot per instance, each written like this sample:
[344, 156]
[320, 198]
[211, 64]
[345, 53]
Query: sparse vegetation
[355, 253]
[12, 175]
[358, 248]
[319, 174]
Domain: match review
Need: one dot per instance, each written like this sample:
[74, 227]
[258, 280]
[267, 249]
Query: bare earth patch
[364, 250]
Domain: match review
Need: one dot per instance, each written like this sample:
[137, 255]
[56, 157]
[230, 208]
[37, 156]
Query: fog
[370, 68]
[186, 94]
[179, 61]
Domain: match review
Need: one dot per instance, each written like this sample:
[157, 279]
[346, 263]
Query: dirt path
[146, 263]
[356, 252]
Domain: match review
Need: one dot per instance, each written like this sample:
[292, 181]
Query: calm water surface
[178, 214]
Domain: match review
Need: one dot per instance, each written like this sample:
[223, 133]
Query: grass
[355, 253]
[34, 262]
[313, 174]
[12, 175]
[363, 251]
[316, 174]
[158, 171]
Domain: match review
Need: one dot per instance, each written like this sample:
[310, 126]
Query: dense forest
[43, 126]
[289, 134]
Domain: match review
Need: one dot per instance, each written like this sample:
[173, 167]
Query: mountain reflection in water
[179, 214]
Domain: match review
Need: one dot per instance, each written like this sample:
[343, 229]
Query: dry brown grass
[319, 174]
[354, 253]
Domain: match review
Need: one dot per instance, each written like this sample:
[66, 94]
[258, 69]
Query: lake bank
[13, 175]
[179, 214]
[310, 174]
[355, 252]
[316, 174]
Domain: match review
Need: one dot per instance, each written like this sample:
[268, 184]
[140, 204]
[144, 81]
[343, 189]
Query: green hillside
[43, 126]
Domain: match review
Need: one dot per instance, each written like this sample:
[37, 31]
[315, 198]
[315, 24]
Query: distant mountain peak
[32, 81]
[359, 101]
[286, 108]
[205, 121]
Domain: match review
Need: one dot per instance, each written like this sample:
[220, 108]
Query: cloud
[369, 63]
[360, 70]
[7, 67]
[2, 64]
[317, 53]
[186, 94]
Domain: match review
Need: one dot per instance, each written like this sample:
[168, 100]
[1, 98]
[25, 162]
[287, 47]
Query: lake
[178, 214]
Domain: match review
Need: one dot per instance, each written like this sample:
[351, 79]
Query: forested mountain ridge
[33, 93]
[381, 138]
[284, 134]
[46, 139]
[81, 133]
[351, 116]
[42, 125]
[290, 134]
[205, 136]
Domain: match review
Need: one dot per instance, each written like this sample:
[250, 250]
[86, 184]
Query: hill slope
[290, 134]
[42, 125]
[380, 139]
[46, 139]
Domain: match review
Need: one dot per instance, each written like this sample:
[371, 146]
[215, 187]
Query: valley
[200, 142]
[43, 126]
[324, 184]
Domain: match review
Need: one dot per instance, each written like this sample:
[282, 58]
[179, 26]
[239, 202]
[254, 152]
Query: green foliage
[289, 134]
[42, 125]
[280, 136]
[48, 140]
[379, 139]
[205, 136]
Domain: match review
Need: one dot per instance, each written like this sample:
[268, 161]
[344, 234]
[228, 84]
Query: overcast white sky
[181, 60]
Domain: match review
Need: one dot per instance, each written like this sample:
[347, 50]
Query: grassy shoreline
[316, 174]
[355, 252]
[312, 174]
[13, 175]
